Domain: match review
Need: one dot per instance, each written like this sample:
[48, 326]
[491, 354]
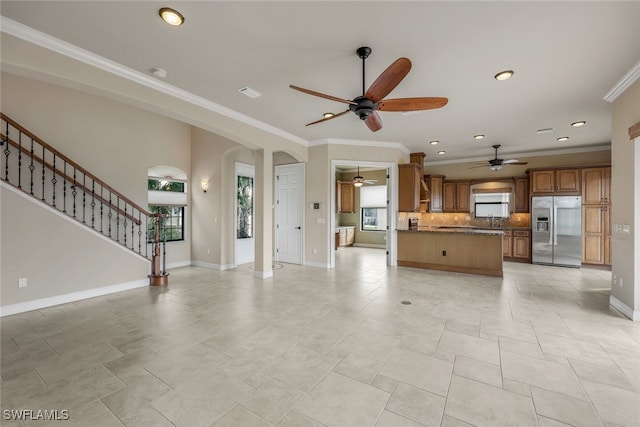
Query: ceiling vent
[251, 93]
[545, 130]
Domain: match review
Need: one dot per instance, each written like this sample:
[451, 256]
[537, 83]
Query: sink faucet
[490, 219]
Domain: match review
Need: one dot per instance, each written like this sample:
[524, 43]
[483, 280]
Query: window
[245, 207]
[494, 205]
[167, 198]
[373, 208]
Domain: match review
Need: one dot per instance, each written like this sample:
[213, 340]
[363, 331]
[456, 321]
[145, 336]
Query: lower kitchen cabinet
[345, 236]
[522, 244]
[516, 245]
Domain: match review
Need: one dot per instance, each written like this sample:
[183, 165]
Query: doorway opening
[362, 216]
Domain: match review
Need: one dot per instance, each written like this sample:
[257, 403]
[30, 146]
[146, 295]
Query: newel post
[159, 276]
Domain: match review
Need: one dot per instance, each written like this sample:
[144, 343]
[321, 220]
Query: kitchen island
[462, 250]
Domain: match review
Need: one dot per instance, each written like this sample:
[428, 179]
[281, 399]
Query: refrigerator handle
[553, 224]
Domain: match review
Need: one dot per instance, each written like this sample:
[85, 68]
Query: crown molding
[46, 41]
[628, 79]
[370, 144]
[528, 154]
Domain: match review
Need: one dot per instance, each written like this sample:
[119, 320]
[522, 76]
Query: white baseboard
[317, 264]
[370, 245]
[263, 274]
[178, 264]
[37, 304]
[624, 309]
[212, 266]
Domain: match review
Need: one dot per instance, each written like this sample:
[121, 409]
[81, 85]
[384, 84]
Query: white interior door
[244, 208]
[289, 213]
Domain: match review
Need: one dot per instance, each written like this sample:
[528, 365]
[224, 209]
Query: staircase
[32, 166]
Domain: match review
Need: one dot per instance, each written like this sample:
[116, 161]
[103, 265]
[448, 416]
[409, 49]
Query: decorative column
[263, 214]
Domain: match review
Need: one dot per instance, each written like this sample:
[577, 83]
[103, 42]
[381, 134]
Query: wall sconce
[204, 184]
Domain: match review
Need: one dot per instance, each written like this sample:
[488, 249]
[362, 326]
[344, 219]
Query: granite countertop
[458, 230]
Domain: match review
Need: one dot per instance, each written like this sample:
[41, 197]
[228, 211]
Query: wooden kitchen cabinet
[409, 177]
[455, 196]
[345, 199]
[435, 185]
[521, 204]
[516, 245]
[522, 244]
[507, 251]
[563, 181]
[596, 215]
[345, 236]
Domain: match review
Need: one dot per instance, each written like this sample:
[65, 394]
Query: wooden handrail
[74, 164]
[80, 186]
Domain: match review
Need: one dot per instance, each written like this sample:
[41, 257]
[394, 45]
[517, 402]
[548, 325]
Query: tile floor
[314, 347]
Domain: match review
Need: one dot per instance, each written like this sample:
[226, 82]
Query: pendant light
[358, 180]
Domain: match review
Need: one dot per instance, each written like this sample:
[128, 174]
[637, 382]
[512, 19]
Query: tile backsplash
[426, 219]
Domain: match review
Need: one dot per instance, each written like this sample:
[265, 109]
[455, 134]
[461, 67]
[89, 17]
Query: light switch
[626, 229]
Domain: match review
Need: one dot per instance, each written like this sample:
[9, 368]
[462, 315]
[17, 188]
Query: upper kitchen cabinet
[558, 181]
[345, 201]
[521, 203]
[595, 185]
[409, 177]
[435, 185]
[455, 196]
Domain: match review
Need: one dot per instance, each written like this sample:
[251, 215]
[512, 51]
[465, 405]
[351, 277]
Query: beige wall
[625, 197]
[463, 171]
[56, 255]
[117, 143]
[212, 212]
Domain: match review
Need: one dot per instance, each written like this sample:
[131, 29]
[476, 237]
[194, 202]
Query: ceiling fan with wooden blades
[372, 100]
[496, 164]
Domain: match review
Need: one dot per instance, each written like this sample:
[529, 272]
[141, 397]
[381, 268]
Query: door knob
[298, 228]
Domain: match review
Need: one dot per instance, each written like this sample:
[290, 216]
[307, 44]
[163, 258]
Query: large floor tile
[483, 405]
[239, 416]
[301, 368]
[391, 419]
[142, 387]
[477, 370]
[465, 345]
[203, 400]
[273, 400]
[419, 370]
[541, 373]
[564, 408]
[340, 401]
[614, 405]
[417, 405]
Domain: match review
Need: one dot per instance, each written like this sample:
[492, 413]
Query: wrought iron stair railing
[34, 167]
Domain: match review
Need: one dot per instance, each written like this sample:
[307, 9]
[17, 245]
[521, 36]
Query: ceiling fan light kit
[372, 100]
[358, 180]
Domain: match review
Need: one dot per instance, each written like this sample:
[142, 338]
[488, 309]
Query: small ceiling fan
[359, 180]
[496, 164]
[372, 100]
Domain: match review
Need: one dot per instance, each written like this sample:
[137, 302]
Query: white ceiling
[566, 57]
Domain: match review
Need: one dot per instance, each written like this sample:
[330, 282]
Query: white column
[264, 214]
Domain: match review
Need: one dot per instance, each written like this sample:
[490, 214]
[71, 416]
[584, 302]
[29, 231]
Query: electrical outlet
[208, 251]
[615, 279]
[621, 283]
[315, 251]
[22, 282]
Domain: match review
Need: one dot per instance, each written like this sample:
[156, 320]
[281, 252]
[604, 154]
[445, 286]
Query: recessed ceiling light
[441, 152]
[563, 138]
[504, 75]
[434, 142]
[480, 136]
[327, 115]
[578, 124]
[171, 16]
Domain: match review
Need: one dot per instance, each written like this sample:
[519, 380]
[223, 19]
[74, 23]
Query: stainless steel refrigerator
[556, 230]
